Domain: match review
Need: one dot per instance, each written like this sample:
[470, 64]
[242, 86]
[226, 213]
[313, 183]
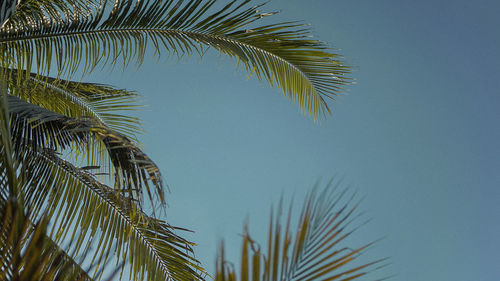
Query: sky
[416, 136]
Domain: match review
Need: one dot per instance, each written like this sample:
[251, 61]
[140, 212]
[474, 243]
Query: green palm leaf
[26, 252]
[30, 254]
[92, 215]
[101, 33]
[101, 217]
[101, 103]
[78, 99]
[316, 251]
[33, 127]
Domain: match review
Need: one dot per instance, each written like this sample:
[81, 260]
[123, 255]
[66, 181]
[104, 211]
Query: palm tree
[69, 154]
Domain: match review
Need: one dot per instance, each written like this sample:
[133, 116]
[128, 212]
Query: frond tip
[284, 54]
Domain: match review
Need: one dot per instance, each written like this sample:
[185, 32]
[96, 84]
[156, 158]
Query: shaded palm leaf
[29, 254]
[8, 163]
[283, 53]
[33, 126]
[7, 8]
[316, 251]
[103, 219]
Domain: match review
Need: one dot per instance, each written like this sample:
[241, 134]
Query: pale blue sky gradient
[417, 135]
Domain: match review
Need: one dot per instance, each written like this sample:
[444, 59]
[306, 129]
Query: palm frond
[78, 99]
[29, 254]
[315, 253]
[33, 126]
[89, 101]
[26, 252]
[102, 218]
[305, 69]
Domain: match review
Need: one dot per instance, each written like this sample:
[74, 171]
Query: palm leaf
[316, 251]
[7, 8]
[33, 127]
[78, 99]
[71, 196]
[25, 250]
[8, 163]
[103, 219]
[102, 103]
[101, 33]
[30, 254]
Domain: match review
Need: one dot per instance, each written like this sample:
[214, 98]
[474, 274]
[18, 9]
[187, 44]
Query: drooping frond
[86, 35]
[92, 215]
[317, 252]
[78, 99]
[33, 126]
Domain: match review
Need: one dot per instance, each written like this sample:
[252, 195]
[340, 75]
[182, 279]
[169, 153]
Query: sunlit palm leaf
[315, 253]
[91, 214]
[78, 99]
[33, 126]
[283, 53]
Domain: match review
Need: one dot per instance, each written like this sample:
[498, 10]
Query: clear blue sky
[417, 135]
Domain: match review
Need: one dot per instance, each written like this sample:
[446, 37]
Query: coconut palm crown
[70, 154]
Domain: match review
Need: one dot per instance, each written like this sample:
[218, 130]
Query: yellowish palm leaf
[74, 34]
